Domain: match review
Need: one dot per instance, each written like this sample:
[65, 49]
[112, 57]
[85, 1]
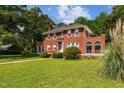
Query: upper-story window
[69, 33]
[61, 35]
[48, 37]
[76, 32]
[76, 44]
[54, 36]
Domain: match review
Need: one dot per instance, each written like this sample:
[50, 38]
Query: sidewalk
[21, 61]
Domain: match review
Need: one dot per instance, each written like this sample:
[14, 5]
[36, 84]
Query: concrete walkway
[21, 61]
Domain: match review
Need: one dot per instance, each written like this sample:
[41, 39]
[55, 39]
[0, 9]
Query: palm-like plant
[114, 56]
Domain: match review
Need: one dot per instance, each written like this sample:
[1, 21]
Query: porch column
[38, 49]
[93, 48]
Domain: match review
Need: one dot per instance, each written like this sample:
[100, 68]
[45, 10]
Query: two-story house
[56, 40]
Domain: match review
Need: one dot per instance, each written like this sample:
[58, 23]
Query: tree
[100, 20]
[95, 25]
[37, 10]
[27, 25]
[10, 19]
[60, 24]
[81, 20]
[110, 21]
[36, 25]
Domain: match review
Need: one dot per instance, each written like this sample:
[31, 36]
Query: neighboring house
[56, 40]
[4, 47]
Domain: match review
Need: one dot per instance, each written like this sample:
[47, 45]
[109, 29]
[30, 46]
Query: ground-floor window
[97, 47]
[54, 47]
[48, 47]
[69, 44]
[88, 47]
[76, 44]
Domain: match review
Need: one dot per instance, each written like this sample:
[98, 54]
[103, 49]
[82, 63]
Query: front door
[60, 47]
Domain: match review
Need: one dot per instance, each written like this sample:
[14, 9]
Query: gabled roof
[69, 27]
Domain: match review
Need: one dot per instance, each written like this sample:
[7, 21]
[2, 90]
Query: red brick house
[56, 40]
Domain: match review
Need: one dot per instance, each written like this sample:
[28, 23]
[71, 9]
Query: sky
[68, 13]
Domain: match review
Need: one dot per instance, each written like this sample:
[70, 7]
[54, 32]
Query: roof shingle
[74, 26]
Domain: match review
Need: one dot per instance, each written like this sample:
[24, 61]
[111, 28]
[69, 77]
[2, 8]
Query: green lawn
[55, 73]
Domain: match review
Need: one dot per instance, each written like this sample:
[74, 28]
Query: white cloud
[69, 13]
[49, 9]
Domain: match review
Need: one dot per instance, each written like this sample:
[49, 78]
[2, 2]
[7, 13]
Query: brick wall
[81, 39]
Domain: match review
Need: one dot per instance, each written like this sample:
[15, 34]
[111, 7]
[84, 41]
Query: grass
[55, 73]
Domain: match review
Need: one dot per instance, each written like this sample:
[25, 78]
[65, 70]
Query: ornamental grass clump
[114, 56]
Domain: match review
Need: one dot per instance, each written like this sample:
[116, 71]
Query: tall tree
[100, 20]
[95, 25]
[81, 20]
[60, 24]
[28, 25]
[117, 12]
[37, 23]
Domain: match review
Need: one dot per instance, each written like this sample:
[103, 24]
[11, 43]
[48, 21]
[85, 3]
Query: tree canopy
[95, 25]
[117, 13]
[27, 25]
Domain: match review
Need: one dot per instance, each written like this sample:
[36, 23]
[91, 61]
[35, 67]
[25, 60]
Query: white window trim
[48, 47]
[75, 44]
[54, 36]
[71, 44]
[54, 46]
[69, 31]
[76, 30]
[48, 37]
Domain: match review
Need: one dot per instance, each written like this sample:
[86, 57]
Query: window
[48, 37]
[76, 44]
[69, 44]
[76, 33]
[61, 35]
[88, 47]
[69, 33]
[97, 47]
[54, 36]
[54, 47]
[48, 47]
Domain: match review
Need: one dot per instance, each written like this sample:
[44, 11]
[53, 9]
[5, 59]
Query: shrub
[35, 55]
[26, 53]
[57, 55]
[72, 53]
[44, 55]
